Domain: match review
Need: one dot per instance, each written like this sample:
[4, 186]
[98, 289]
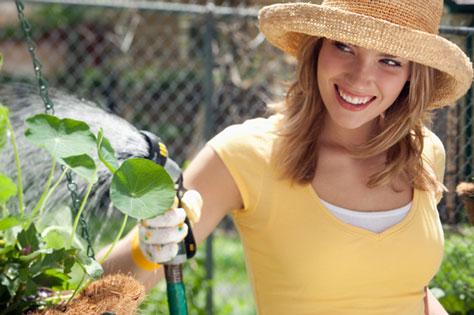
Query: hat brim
[287, 25]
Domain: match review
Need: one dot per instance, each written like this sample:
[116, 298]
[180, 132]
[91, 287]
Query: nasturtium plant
[41, 252]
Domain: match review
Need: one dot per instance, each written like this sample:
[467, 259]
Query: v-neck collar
[361, 231]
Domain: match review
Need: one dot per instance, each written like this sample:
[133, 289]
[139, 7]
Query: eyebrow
[381, 55]
[389, 56]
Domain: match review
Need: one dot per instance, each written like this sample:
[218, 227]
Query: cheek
[392, 86]
[328, 68]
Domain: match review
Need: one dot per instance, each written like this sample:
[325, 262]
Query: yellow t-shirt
[302, 260]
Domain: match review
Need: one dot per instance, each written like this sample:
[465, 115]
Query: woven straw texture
[404, 28]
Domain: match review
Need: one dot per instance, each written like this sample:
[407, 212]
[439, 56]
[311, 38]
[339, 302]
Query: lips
[351, 101]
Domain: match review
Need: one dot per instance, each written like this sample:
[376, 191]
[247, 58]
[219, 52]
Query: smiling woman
[334, 195]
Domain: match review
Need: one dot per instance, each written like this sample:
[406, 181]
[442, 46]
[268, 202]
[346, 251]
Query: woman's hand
[206, 174]
[159, 236]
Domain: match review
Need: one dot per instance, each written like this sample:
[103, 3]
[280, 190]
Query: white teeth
[353, 100]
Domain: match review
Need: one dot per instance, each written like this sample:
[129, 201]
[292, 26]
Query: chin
[352, 124]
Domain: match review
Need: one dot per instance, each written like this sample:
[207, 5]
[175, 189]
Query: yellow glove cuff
[139, 259]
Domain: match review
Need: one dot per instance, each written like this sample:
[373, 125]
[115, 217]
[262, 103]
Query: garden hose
[187, 248]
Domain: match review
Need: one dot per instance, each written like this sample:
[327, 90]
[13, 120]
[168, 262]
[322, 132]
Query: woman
[335, 194]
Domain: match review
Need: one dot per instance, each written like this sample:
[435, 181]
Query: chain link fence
[186, 70]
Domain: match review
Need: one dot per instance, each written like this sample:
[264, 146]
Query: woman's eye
[391, 63]
[342, 47]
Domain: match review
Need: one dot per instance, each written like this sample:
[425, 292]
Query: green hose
[175, 290]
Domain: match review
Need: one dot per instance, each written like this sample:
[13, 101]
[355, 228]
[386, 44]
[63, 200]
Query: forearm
[432, 305]
[120, 261]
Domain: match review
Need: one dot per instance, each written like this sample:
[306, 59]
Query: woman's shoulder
[252, 132]
[257, 126]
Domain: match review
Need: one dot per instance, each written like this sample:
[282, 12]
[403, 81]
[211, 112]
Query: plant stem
[18, 168]
[50, 192]
[79, 286]
[117, 238]
[99, 153]
[79, 212]
[40, 203]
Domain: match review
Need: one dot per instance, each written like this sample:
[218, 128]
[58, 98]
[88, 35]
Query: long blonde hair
[401, 131]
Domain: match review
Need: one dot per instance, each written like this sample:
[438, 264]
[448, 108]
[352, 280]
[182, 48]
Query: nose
[361, 73]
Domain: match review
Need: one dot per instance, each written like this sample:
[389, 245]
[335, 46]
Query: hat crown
[422, 15]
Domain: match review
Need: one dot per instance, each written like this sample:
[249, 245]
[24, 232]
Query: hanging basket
[465, 191]
[114, 294]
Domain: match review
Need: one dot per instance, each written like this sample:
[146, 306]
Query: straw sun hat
[403, 28]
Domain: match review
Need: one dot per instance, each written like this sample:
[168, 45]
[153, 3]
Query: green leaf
[3, 125]
[56, 237]
[52, 278]
[142, 189]
[31, 288]
[7, 189]
[60, 216]
[106, 152]
[92, 267]
[7, 249]
[83, 165]
[75, 276]
[60, 258]
[60, 137]
[9, 278]
[1, 60]
[29, 238]
[9, 222]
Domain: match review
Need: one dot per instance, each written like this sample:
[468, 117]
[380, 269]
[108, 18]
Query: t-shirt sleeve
[242, 149]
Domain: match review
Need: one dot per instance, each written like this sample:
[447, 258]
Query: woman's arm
[432, 305]
[209, 176]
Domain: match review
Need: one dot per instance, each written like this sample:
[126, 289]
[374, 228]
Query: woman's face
[358, 84]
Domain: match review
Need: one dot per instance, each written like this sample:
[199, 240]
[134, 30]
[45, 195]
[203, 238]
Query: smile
[352, 99]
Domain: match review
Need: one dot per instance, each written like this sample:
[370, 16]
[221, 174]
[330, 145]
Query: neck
[336, 136]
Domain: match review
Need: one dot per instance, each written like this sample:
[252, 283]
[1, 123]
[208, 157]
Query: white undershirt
[375, 221]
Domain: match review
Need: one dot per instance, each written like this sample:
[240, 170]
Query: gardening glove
[159, 237]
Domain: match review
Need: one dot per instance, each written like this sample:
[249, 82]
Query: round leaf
[83, 165]
[60, 137]
[142, 189]
[8, 189]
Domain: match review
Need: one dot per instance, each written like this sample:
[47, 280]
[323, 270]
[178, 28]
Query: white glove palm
[159, 236]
